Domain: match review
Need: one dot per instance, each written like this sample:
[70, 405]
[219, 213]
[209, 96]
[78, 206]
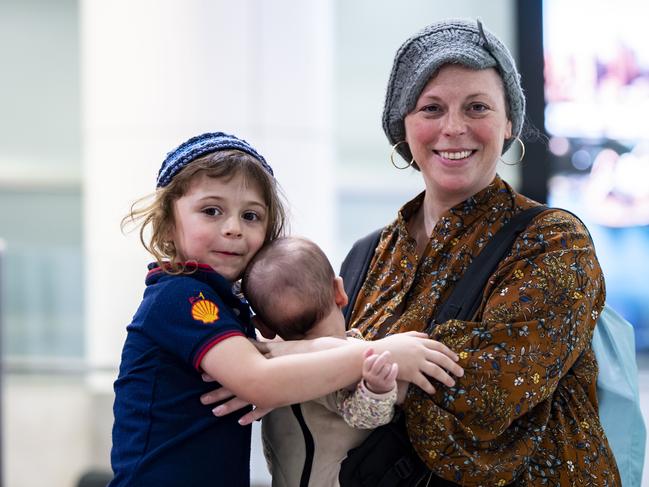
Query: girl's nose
[232, 226]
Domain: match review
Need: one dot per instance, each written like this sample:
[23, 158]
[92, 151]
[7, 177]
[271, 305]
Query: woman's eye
[431, 109]
[478, 107]
[212, 211]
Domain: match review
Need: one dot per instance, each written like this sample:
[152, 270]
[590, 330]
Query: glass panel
[42, 292]
[596, 94]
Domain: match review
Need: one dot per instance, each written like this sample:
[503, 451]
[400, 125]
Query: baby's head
[198, 169]
[292, 287]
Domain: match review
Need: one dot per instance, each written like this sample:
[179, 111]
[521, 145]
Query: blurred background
[94, 93]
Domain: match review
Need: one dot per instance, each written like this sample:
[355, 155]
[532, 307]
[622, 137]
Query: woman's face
[457, 130]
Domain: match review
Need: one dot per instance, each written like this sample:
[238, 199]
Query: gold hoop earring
[394, 149]
[520, 159]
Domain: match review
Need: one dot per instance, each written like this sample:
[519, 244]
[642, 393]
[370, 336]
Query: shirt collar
[202, 272]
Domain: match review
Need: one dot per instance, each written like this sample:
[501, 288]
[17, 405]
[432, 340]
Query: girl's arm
[237, 365]
[440, 358]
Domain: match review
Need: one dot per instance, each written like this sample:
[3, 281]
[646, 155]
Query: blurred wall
[101, 91]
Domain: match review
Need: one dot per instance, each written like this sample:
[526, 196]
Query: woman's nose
[454, 124]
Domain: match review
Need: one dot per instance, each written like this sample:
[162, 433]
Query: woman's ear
[340, 296]
[508, 130]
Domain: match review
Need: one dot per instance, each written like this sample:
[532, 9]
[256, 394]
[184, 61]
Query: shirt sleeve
[186, 318]
[364, 409]
[538, 314]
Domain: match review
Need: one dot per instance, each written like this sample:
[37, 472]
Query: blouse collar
[498, 195]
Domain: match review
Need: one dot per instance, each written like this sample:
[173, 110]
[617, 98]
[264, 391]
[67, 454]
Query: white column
[155, 72]
[294, 111]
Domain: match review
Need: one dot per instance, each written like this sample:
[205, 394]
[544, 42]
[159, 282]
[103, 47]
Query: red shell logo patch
[204, 310]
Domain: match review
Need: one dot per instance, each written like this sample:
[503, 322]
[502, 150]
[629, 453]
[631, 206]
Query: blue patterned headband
[199, 146]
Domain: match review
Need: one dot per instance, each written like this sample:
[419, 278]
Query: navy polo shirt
[163, 435]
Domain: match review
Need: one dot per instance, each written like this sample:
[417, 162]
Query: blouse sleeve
[537, 317]
[364, 409]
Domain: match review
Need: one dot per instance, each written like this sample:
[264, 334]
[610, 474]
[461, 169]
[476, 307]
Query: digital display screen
[596, 72]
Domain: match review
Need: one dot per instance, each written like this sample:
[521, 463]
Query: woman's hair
[158, 215]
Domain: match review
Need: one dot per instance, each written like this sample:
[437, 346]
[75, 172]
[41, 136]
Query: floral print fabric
[525, 411]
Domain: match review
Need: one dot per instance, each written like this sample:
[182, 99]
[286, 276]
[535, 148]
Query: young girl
[216, 204]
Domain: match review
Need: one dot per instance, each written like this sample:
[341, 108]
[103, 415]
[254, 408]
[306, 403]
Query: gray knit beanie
[447, 42]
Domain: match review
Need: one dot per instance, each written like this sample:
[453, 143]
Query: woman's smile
[454, 155]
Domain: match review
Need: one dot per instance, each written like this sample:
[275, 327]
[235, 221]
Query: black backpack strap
[355, 266]
[466, 295]
[467, 292]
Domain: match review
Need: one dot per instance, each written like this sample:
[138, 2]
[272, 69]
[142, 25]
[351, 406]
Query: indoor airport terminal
[420, 228]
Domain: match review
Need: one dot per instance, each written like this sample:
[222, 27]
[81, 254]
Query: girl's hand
[232, 403]
[379, 372]
[420, 358]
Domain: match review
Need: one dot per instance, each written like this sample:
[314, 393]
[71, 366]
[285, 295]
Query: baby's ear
[340, 296]
[266, 332]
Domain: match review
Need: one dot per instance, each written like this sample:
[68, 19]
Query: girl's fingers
[423, 383]
[441, 348]
[444, 361]
[417, 334]
[436, 372]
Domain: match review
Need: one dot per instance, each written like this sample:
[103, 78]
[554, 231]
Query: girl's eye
[212, 211]
[251, 216]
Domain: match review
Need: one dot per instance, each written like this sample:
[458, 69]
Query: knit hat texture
[447, 42]
[199, 146]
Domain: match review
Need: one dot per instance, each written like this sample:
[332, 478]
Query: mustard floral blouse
[525, 412]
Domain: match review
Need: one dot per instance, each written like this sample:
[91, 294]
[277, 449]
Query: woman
[525, 411]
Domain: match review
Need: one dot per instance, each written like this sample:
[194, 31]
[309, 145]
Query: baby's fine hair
[290, 286]
[158, 215]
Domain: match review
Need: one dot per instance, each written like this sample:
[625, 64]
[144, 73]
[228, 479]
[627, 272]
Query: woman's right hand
[231, 403]
[420, 358]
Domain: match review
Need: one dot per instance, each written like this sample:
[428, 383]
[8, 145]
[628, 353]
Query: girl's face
[457, 130]
[220, 222]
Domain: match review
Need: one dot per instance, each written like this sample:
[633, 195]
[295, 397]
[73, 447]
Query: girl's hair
[159, 214]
